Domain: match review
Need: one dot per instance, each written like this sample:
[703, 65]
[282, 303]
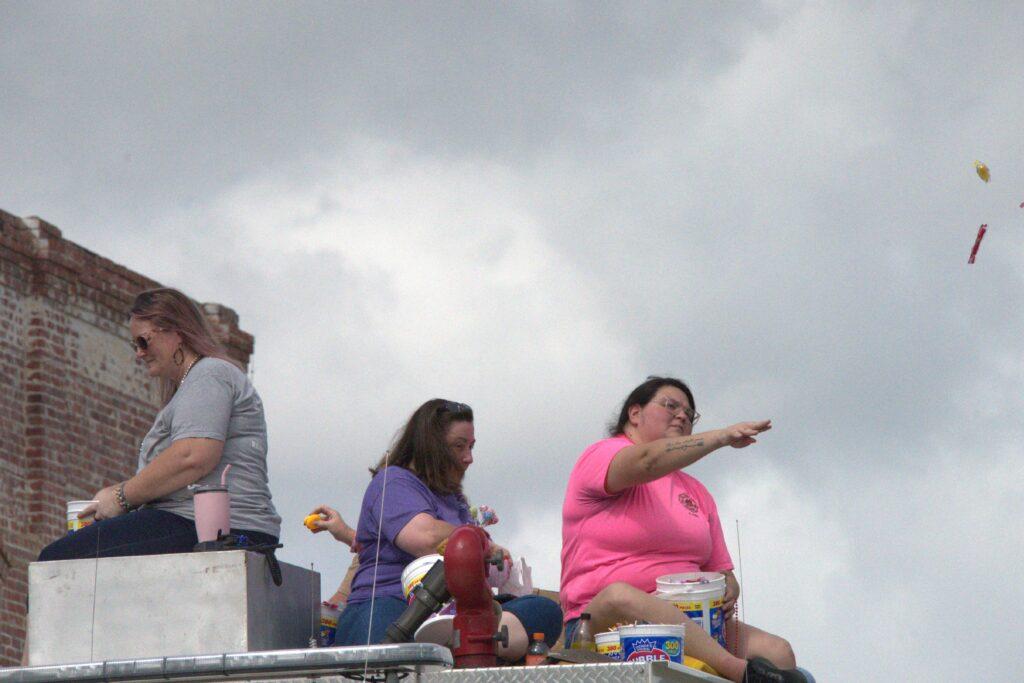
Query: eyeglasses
[141, 343]
[675, 407]
[455, 408]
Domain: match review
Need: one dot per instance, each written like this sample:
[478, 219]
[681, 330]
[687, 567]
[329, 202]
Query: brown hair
[170, 310]
[420, 446]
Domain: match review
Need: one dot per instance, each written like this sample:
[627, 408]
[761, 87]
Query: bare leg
[621, 602]
[753, 642]
[518, 641]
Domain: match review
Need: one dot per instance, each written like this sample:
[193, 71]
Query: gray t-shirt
[217, 401]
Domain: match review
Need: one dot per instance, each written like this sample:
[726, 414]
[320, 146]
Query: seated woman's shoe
[760, 670]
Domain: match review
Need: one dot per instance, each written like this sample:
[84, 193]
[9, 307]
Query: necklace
[188, 369]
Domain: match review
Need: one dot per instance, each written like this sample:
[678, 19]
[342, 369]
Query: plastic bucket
[415, 571]
[651, 642]
[328, 623]
[608, 645]
[74, 507]
[699, 595]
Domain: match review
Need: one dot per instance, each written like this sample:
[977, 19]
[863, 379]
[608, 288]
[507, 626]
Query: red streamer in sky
[977, 241]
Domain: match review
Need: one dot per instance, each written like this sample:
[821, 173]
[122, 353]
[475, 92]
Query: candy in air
[977, 242]
[982, 171]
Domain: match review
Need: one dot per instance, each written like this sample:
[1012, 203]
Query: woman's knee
[619, 596]
[537, 614]
[780, 652]
[47, 554]
[57, 550]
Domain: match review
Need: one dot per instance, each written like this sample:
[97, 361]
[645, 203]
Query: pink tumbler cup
[213, 512]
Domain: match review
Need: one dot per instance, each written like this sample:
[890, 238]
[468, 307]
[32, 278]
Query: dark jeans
[537, 614]
[146, 531]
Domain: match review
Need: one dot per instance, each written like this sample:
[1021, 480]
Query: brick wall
[74, 405]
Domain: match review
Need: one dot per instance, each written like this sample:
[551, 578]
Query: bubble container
[608, 645]
[414, 572]
[652, 642]
[700, 596]
[329, 614]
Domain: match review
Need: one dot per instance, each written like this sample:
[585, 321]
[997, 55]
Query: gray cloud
[531, 207]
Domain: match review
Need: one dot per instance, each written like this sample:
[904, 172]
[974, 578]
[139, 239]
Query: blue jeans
[146, 531]
[570, 631]
[537, 615]
[354, 624]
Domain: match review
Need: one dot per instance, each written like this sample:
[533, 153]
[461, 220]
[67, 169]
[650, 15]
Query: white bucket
[608, 645]
[651, 642]
[700, 596]
[74, 507]
[415, 571]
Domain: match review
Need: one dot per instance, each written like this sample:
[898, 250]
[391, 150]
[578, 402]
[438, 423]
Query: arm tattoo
[683, 445]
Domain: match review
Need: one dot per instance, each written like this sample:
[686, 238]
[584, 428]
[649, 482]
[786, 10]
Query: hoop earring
[179, 356]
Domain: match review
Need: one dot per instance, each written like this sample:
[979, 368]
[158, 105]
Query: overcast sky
[530, 207]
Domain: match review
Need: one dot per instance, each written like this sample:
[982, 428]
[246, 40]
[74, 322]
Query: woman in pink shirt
[630, 515]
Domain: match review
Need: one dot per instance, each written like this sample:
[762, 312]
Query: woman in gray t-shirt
[212, 418]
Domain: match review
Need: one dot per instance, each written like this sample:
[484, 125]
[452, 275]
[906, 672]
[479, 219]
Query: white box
[167, 605]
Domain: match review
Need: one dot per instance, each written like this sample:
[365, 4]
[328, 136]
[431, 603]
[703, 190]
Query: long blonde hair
[170, 310]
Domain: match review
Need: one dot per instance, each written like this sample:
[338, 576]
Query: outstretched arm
[330, 520]
[644, 462]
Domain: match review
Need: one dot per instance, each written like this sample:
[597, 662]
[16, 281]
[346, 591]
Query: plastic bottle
[584, 639]
[538, 651]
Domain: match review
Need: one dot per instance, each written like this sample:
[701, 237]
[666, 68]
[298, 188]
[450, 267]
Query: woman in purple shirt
[412, 504]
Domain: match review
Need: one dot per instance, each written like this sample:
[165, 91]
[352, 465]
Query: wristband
[121, 500]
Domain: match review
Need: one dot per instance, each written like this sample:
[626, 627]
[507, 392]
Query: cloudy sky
[530, 207]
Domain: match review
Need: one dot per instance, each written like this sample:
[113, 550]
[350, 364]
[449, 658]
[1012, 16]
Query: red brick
[67, 428]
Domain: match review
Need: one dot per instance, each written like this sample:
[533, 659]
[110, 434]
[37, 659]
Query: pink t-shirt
[662, 527]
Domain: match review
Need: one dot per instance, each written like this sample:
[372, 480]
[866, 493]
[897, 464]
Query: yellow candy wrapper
[982, 170]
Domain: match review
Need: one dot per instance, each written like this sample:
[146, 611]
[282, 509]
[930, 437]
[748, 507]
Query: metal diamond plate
[646, 672]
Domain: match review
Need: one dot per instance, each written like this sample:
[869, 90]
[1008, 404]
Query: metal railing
[372, 662]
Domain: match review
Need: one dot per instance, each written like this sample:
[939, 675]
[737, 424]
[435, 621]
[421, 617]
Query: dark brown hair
[421, 448]
[642, 395]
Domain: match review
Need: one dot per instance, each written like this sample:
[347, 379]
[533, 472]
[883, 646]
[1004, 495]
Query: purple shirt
[405, 497]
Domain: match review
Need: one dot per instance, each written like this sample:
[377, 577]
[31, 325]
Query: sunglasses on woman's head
[455, 408]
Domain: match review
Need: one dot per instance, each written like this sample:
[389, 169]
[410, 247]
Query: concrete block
[167, 605]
